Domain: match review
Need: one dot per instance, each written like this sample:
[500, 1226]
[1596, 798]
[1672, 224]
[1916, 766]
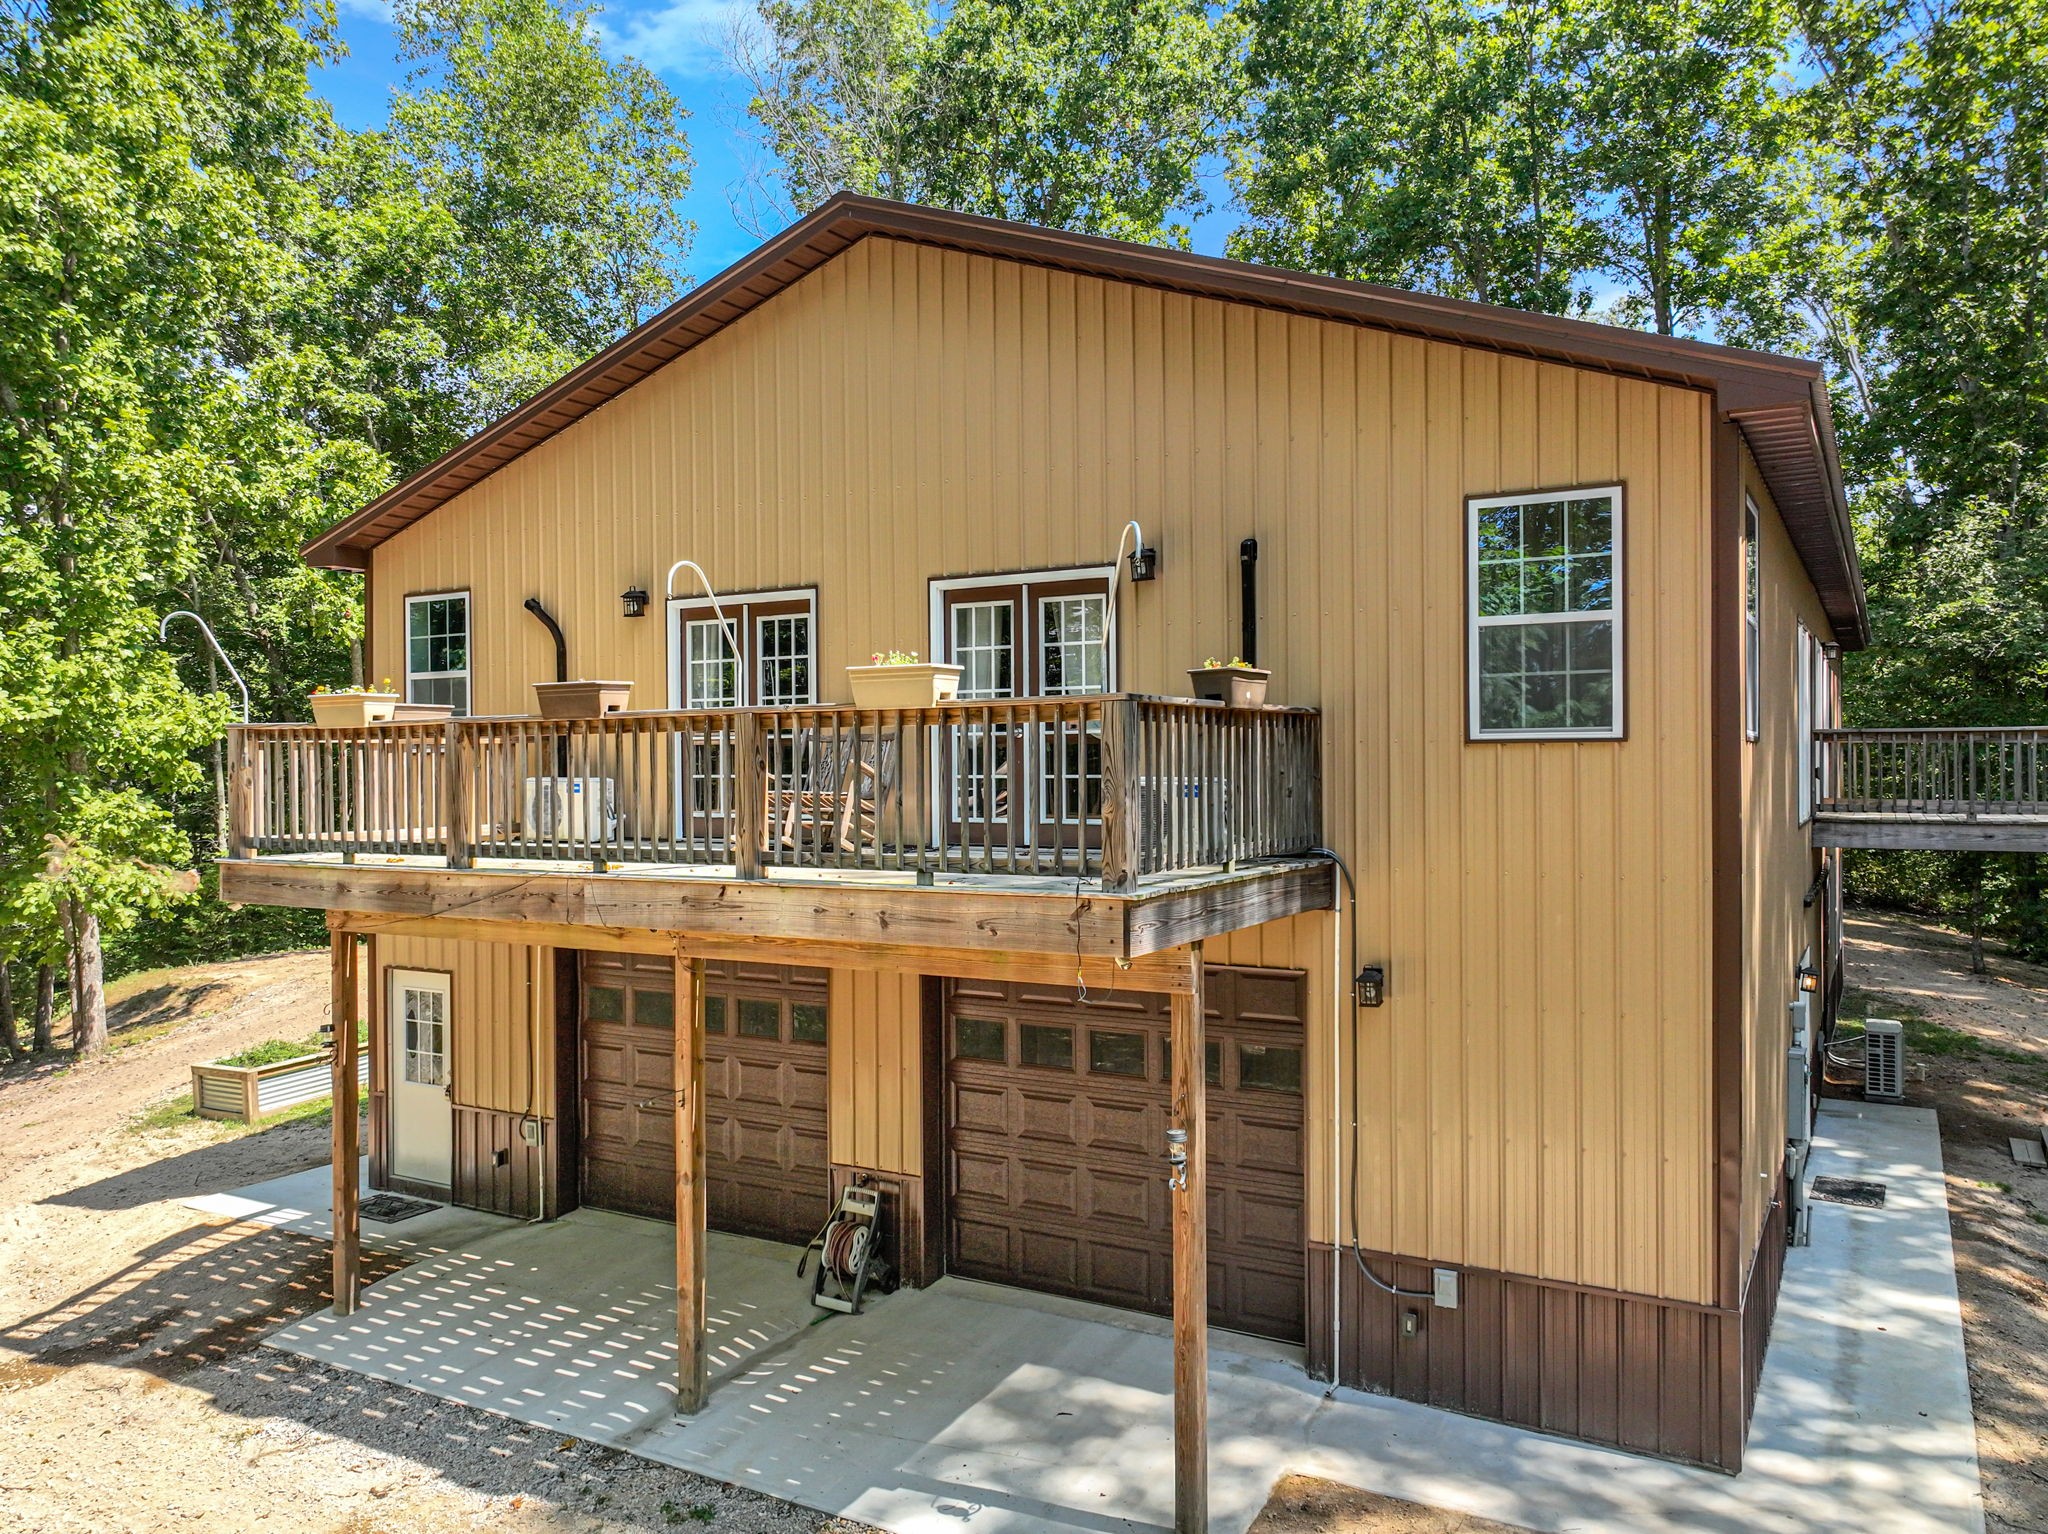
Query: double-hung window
[1544, 593]
[437, 649]
[1752, 625]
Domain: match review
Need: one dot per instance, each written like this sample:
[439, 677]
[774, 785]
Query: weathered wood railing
[1969, 773]
[1118, 787]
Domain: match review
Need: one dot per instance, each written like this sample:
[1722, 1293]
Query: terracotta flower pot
[581, 700]
[1238, 686]
[919, 685]
[352, 710]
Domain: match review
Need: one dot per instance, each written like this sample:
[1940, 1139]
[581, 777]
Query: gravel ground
[134, 1391]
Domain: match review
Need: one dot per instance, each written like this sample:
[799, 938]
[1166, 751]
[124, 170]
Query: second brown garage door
[1056, 1120]
[765, 1163]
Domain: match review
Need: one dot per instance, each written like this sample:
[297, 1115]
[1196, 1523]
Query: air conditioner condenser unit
[1884, 1061]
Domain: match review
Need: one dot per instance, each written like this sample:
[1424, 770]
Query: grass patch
[271, 1051]
[1923, 1034]
[175, 1114]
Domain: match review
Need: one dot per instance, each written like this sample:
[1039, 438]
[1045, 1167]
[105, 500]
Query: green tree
[1092, 115]
[1427, 143]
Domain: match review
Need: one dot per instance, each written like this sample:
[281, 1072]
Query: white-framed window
[437, 649]
[983, 645]
[1805, 658]
[1071, 657]
[1544, 593]
[1752, 623]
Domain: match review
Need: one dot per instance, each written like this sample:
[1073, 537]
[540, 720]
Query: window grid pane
[426, 1038]
[437, 651]
[785, 660]
[1546, 610]
[983, 642]
[1072, 659]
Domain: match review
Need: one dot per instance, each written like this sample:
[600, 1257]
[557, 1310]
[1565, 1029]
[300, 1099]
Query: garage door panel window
[1048, 1046]
[1269, 1068]
[1116, 1054]
[604, 1004]
[654, 1009]
[806, 1022]
[979, 1038]
[714, 1014]
[760, 1019]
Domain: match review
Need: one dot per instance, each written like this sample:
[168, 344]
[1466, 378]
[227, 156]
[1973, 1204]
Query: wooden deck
[1944, 790]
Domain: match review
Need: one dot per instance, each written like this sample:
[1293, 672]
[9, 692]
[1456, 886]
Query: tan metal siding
[1535, 1097]
[1778, 863]
[875, 1117]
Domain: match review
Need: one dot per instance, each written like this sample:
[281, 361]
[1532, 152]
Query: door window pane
[710, 669]
[426, 1037]
[807, 1022]
[784, 641]
[1045, 1044]
[1269, 1067]
[604, 1004]
[1071, 656]
[654, 1009]
[977, 1038]
[1116, 1054]
[714, 1014]
[760, 1019]
[983, 648]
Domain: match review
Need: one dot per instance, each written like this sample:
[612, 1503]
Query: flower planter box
[1238, 686]
[348, 710]
[581, 700]
[253, 1092]
[421, 713]
[920, 685]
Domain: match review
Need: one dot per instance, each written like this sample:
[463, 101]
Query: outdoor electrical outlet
[1444, 1288]
[501, 1158]
[1411, 1323]
[529, 1131]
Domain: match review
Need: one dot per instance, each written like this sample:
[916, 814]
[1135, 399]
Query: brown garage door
[1056, 1120]
[764, 1112]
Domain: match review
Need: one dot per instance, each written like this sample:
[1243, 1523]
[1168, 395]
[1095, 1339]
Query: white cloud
[370, 10]
[678, 37]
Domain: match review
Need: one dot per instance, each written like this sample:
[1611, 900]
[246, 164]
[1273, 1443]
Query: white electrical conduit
[669, 591]
[1116, 565]
[163, 632]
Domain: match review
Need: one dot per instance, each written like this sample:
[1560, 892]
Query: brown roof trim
[1749, 385]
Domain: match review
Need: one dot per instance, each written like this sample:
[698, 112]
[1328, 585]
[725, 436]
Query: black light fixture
[1371, 986]
[1809, 979]
[1144, 564]
[636, 602]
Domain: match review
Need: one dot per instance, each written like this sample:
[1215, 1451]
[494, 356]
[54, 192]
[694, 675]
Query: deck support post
[342, 1009]
[689, 1133]
[1190, 1262]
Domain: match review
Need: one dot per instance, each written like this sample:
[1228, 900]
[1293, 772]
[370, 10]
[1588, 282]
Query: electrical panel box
[1444, 1288]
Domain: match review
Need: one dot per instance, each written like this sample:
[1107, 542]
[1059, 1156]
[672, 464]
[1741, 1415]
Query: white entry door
[422, 1113]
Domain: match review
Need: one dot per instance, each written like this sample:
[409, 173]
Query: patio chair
[842, 786]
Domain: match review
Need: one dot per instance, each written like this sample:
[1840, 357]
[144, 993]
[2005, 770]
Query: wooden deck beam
[343, 1008]
[690, 1201]
[1190, 1116]
[1930, 833]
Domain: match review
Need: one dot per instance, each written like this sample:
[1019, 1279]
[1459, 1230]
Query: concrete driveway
[971, 1405]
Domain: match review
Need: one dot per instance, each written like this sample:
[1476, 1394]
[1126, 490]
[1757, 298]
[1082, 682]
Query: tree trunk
[10, 1038]
[46, 1006]
[1977, 918]
[2030, 930]
[88, 994]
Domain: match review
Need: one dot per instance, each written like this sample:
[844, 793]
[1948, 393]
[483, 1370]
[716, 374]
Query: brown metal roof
[1780, 403]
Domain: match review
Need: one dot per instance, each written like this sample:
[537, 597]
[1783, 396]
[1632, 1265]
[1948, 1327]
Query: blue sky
[682, 40]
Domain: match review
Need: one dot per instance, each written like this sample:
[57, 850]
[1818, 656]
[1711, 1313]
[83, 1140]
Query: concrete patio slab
[970, 1405]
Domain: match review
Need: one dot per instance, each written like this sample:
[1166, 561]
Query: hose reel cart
[849, 1252]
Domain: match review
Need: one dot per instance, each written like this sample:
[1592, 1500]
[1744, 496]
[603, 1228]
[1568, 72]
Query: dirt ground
[1977, 1052]
[1301, 1504]
[134, 1392]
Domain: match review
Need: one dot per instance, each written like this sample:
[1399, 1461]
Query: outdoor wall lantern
[636, 602]
[1372, 986]
[1144, 564]
[1809, 978]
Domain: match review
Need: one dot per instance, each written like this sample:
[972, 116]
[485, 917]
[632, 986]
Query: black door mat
[1854, 1191]
[390, 1208]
